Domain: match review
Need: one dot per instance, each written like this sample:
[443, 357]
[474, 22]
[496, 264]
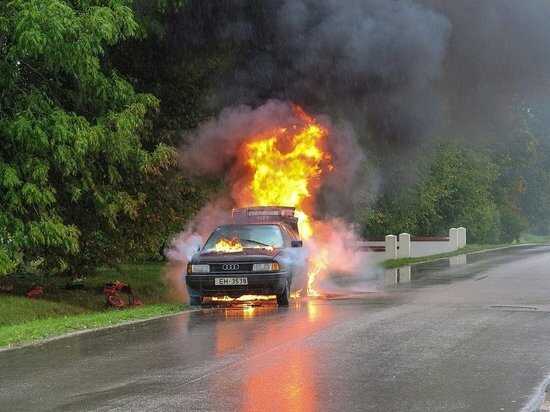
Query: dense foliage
[454, 189]
[96, 94]
[496, 194]
[81, 178]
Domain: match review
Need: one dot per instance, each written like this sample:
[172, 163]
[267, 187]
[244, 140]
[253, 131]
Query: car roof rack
[266, 214]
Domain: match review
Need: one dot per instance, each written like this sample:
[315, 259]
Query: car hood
[247, 254]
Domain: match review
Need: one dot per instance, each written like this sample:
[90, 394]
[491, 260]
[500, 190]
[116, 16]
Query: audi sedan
[248, 259]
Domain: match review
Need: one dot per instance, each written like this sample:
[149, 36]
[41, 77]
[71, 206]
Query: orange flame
[250, 298]
[228, 246]
[287, 165]
[319, 263]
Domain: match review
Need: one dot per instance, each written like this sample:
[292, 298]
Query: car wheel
[195, 300]
[282, 299]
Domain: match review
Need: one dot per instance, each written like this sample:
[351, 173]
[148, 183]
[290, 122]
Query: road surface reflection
[284, 381]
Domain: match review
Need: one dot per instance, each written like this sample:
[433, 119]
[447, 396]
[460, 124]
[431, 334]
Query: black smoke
[371, 62]
[497, 60]
[400, 71]
[395, 73]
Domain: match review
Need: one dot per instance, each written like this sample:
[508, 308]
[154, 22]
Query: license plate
[230, 281]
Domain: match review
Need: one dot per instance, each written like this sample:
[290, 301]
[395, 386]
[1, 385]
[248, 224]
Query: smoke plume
[211, 150]
[371, 62]
[496, 61]
[185, 244]
[401, 71]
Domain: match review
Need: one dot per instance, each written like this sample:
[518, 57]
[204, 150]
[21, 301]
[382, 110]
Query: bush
[454, 190]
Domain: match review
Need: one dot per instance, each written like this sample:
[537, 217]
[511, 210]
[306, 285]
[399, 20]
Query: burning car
[254, 255]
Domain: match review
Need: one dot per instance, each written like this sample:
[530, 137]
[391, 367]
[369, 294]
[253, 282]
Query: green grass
[145, 279]
[61, 310]
[18, 309]
[395, 263]
[57, 325]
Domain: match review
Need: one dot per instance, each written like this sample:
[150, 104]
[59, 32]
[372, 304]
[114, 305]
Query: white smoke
[184, 245]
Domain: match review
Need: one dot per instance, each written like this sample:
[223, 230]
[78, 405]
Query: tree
[74, 175]
[453, 189]
[180, 58]
[524, 159]
[457, 191]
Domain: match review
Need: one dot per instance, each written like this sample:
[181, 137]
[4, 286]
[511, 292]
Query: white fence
[406, 246]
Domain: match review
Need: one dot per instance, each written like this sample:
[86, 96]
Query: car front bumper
[258, 284]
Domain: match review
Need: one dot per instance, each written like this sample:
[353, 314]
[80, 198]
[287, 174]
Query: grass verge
[39, 329]
[63, 310]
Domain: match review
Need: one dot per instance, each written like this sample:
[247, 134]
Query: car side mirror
[296, 243]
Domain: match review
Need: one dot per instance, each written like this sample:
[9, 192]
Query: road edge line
[537, 397]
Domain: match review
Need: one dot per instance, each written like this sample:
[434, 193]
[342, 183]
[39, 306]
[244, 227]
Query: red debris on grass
[35, 292]
[112, 291]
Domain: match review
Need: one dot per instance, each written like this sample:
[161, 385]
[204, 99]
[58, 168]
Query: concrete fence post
[391, 247]
[404, 245]
[453, 239]
[461, 237]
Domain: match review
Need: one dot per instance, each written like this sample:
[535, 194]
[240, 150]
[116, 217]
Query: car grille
[231, 267]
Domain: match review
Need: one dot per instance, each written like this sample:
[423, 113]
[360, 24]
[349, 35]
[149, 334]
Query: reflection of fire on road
[287, 382]
[288, 379]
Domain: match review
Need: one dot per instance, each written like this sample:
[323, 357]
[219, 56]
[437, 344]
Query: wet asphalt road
[467, 337]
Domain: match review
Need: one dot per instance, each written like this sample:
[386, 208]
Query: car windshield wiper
[255, 241]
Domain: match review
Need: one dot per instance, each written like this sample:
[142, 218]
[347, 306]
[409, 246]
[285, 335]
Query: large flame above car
[286, 167]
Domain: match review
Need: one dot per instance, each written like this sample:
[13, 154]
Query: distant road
[472, 337]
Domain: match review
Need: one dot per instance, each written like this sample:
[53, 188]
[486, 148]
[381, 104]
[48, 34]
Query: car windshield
[235, 238]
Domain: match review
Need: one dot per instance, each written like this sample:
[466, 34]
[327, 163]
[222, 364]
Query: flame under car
[257, 254]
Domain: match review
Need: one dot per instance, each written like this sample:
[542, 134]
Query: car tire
[195, 300]
[283, 298]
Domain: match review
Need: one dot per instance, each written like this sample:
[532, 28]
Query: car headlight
[265, 267]
[198, 268]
